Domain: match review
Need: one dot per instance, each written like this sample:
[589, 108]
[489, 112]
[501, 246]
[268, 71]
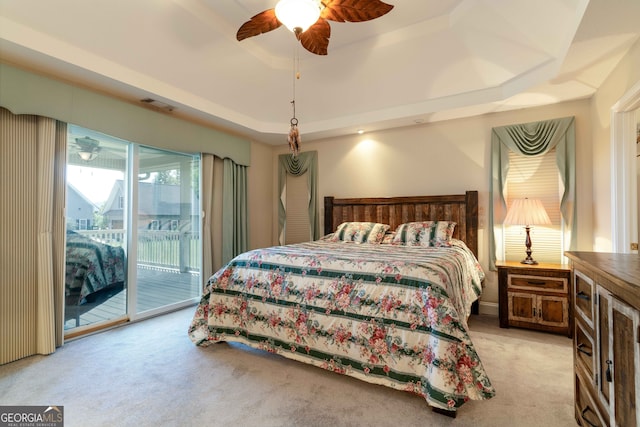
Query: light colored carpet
[150, 374]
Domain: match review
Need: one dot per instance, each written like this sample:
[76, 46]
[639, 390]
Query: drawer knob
[608, 371]
[584, 296]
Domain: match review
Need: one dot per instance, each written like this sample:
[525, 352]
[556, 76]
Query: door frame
[624, 192]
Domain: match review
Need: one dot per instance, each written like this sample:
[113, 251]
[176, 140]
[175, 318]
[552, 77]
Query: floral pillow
[441, 233]
[425, 233]
[360, 232]
[388, 237]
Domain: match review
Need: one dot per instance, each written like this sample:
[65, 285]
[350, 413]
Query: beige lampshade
[527, 212]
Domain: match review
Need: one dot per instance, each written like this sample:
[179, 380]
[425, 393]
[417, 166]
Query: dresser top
[619, 267]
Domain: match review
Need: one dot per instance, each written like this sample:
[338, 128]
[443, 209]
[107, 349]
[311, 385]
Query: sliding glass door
[133, 230]
[96, 261]
[168, 241]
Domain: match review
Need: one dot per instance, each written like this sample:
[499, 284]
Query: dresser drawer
[588, 413]
[583, 297]
[537, 283]
[585, 350]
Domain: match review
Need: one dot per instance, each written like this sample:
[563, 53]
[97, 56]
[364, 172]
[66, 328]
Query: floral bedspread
[390, 315]
[90, 267]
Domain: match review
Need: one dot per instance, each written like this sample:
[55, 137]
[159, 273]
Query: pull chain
[294, 134]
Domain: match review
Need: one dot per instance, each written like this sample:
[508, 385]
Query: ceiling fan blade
[354, 10]
[263, 22]
[316, 38]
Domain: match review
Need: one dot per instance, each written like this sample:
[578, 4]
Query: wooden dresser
[606, 353]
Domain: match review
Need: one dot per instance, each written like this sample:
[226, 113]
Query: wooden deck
[156, 288]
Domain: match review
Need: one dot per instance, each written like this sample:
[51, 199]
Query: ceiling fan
[88, 148]
[308, 19]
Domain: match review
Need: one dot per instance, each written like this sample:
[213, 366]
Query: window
[535, 177]
[297, 187]
[297, 228]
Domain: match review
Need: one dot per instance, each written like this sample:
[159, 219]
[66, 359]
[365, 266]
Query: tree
[99, 220]
[170, 177]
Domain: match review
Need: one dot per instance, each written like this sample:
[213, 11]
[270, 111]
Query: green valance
[22, 92]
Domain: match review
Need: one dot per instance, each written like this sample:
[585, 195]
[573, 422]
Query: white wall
[446, 157]
[623, 77]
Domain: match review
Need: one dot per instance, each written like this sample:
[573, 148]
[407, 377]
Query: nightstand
[535, 296]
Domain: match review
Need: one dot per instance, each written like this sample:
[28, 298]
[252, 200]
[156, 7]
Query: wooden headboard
[461, 208]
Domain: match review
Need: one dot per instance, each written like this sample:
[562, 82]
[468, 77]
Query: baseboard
[490, 308]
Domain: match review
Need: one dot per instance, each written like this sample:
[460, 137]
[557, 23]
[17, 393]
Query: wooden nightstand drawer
[537, 283]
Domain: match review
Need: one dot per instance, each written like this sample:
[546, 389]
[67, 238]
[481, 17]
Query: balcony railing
[174, 250]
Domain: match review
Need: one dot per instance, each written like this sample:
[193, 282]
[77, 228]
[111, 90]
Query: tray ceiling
[424, 61]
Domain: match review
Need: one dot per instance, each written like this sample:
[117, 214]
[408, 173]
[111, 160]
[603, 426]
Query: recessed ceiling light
[418, 121]
[360, 131]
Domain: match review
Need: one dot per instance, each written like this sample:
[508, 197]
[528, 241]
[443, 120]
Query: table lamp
[527, 212]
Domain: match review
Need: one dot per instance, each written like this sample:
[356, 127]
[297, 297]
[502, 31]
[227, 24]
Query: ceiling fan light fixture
[88, 148]
[87, 156]
[297, 15]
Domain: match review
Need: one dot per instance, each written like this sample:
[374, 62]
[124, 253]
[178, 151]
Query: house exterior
[80, 210]
[159, 207]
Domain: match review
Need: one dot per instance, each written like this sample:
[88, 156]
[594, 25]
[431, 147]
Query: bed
[390, 310]
[91, 267]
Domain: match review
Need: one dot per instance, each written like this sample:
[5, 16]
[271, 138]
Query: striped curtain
[235, 238]
[32, 195]
[211, 200]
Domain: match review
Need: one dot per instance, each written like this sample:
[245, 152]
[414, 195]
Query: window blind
[297, 226]
[535, 177]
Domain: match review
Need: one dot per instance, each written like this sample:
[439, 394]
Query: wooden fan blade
[316, 38]
[354, 10]
[263, 22]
